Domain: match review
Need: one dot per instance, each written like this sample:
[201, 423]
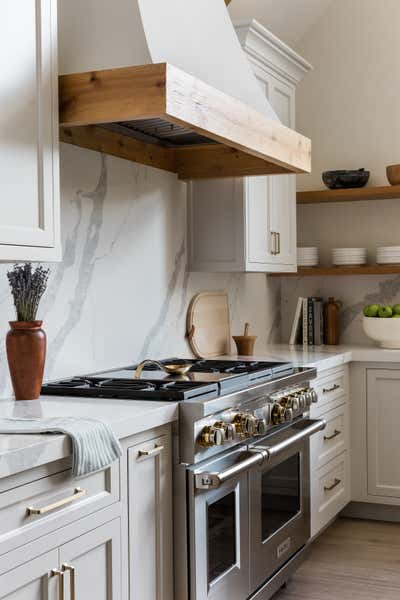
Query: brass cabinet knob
[211, 436]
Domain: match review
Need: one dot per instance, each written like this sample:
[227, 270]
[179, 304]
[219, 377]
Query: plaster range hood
[187, 101]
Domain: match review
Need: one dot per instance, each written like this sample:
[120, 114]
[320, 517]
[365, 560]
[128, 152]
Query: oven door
[219, 533]
[280, 501]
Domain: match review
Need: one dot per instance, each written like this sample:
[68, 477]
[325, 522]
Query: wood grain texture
[353, 559]
[102, 140]
[352, 195]
[208, 324]
[163, 91]
[334, 271]
[218, 161]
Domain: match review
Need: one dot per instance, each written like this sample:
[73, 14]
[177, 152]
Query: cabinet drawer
[37, 508]
[330, 492]
[333, 440]
[332, 390]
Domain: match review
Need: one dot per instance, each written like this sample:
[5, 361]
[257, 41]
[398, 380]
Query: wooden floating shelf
[160, 116]
[350, 195]
[328, 271]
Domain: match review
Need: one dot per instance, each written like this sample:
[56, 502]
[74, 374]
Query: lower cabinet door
[150, 520]
[32, 580]
[92, 564]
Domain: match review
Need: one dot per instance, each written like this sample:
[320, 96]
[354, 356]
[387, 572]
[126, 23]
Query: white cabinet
[330, 449]
[92, 563]
[29, 173]
[250, 224]
[32, 580]
[150, 519]
[383, 425]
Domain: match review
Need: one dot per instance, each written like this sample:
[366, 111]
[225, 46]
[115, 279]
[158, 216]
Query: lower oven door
[219, 534]
[279, 502]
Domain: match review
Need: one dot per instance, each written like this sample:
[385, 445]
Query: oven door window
[280, 495]
[221, 536]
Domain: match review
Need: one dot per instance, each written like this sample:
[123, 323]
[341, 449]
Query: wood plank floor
[352, 560]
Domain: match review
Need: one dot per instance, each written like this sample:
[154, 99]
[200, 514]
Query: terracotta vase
[26, 353]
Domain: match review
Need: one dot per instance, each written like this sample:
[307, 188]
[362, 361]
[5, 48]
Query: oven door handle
[259, 455]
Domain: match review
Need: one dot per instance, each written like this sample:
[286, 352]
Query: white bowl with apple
[381, 323]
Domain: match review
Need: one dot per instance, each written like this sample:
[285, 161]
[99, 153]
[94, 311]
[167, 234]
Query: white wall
[349, 107]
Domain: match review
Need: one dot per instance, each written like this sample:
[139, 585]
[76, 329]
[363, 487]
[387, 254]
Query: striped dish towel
[94, 444]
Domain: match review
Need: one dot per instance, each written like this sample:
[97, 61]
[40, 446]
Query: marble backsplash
[354, 291]
[122, 290]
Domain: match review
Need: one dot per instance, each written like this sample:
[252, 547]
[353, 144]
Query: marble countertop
[326, 357]
[21, 452]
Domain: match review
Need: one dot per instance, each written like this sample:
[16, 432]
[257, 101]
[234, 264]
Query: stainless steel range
[242, 514]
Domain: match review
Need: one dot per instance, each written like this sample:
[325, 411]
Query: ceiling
[288, 19]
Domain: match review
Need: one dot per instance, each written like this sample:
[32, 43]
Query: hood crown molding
[269, 50]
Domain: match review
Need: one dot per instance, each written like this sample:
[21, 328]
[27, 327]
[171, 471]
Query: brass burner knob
[211, 436]
[261, 426]
[278, 414]
[289, 415]
[245, 424]
[228, 430]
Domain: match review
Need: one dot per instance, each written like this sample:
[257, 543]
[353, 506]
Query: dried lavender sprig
[27, 288]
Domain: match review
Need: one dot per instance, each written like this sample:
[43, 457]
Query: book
[305, 321]
[318, 312]
[296, 331]
[310, 322]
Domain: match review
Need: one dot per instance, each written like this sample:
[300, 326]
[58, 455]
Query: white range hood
[166, 83]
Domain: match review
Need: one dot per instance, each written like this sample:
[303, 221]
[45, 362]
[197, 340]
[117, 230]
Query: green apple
[385, 312]
[396, 309]
[371, 310]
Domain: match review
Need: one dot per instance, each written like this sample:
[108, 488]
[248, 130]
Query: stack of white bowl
[307, 257]
[349, 256]
[388, 255]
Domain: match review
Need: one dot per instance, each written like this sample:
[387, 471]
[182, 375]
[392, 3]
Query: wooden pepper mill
[332, 321]
[245, 343]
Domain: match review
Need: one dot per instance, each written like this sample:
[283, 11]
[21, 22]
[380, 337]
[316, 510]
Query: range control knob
[228, 430]
[290, 402]
[314, 395]
[289, 415]
[211, 436]
[245, 424]
[278, 414]
[261, 426]
[308, 396]
[302, 400]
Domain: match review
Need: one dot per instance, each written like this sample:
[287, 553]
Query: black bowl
[336, 180]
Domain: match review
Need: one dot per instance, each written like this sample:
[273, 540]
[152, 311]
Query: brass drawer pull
[71, 569]
[61, 576]
[329, 488]
[78, 493]
[331, 437]
[153, 452]
[278, 235]
[331, 389]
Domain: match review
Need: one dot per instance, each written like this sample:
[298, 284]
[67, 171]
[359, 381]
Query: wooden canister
[332, 321]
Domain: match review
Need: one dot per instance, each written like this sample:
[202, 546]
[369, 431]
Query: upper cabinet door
[29, 176]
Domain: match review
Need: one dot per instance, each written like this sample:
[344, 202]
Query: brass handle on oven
[61, 576]
[78, 493]
[329, 488]
[332, 436]
[71, 569]
[336, 386]
[258, 455]
[153, 452]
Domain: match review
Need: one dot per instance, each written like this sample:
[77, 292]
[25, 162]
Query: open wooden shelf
[324, 271]
[350, 195]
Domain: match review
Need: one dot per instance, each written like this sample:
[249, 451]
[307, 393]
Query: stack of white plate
[388, 255]
[349, 256]
[307, 257]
